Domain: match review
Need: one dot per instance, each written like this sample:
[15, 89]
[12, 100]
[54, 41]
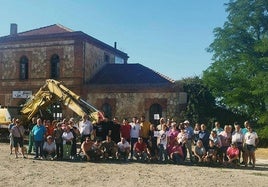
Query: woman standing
[251, 140]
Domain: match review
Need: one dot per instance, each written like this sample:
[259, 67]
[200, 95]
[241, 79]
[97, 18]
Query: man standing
[11, 139]
[85, 128]
[31, 139]
[190, 131]
[238, 137]
[145, 128]
[39, 132]
[135, 132]
[18, 133]
[217, 127]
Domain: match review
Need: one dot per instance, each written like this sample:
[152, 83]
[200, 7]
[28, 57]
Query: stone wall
[137, 104]
[95, 60]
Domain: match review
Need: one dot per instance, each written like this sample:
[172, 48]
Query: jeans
[162, 152]
[39, 147]
[132, 142]
[59, 150]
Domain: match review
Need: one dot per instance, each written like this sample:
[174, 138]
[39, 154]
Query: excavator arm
[54, 91]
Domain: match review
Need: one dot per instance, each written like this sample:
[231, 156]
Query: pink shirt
[232, 152]
[177, 148]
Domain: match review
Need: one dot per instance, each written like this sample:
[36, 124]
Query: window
[24, 68]
[55, 67]
[56, 111]
[155, 109]
[119, 60]
[107, 109]
[106, 58]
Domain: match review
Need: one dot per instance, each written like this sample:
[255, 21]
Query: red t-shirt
[139, 147]
[125, 131]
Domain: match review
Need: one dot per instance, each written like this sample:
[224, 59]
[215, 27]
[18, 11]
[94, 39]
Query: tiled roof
[52, 29]
[128, 74]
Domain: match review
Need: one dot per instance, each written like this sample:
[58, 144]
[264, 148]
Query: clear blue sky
[168, 36]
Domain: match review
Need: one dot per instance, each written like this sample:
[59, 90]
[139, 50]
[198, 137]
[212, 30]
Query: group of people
[137, 140]
[231, 145]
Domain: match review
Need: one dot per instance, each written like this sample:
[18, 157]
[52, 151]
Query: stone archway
[154, 111]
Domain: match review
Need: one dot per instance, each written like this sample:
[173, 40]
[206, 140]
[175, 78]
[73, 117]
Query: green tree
[201, 106]
[201, 103]
[238, 77]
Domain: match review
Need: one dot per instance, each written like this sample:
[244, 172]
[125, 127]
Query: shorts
[251, 148]
[18, 141]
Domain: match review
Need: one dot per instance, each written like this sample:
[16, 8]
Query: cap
[186, 121]
[49, 137]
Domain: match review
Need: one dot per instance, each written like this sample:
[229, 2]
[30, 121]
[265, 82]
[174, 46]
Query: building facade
[92, 69]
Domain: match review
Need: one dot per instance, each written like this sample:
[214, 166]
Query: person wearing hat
[49, 148]
[190, 132]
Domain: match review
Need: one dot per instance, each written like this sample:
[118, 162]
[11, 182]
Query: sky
[168, 36]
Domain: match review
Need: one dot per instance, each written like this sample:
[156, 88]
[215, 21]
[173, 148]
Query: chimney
[13, 29]
[115, 45]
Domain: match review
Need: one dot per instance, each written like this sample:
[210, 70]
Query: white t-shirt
[135, 130]
[237, 137]
[182, 137]
[49, 147]
[85, 127]
[162, 138]
[67, 136]
[250, 138]
[123, 146]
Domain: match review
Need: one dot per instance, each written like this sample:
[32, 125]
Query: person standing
[67, 137]
[39, 133]
[238, 137]
[217, 127]
[58, 140]
[85, 128]
[115, 130]
[31, 138]
[135, 132]
[145, 128]
[18, 133]
[251, 141]
[204, 136]
[226, 138]
[11, 139]
[190, 131]
[125, 130]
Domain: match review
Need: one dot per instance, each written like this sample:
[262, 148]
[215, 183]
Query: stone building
[98, 72]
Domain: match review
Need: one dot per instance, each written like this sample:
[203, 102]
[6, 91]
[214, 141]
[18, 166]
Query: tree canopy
[238, 77]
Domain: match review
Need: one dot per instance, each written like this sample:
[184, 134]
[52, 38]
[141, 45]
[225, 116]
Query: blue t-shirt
[39, 132]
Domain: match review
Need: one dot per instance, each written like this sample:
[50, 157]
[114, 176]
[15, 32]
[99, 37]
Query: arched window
[107, 109]
[55, 67]
[24, 68]
[155, 110]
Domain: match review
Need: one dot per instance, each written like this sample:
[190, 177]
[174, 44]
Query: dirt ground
[29, 172]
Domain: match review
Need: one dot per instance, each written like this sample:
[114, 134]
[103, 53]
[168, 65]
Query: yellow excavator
[54, 91]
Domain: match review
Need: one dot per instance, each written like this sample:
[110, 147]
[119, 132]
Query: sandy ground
[29, 172]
